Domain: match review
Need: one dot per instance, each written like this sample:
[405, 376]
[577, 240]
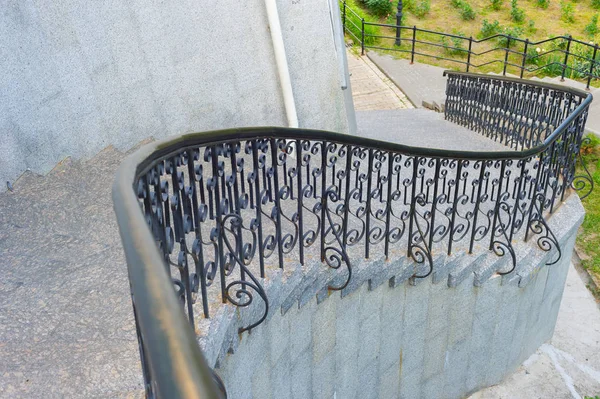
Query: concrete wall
[80, 75]
[435, 338]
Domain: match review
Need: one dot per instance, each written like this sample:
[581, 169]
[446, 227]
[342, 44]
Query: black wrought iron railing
[210, 213]
[562, 56]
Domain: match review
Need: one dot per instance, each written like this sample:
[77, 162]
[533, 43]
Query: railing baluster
[469, 53]
[506, 54]
[593, 63]
[255, 165]
[454, 205]
[566, 60]
[388, 210]
[368, 208]
[275, 166]
[221, 254]
[301, 198]
[349, 150]
[524, 57]
[324, 150]
[362, 40]
[414, 40]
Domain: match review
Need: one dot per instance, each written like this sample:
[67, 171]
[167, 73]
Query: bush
[592, 28]
[421, 8]
[466, 11]
[567, 12]
[379, 7]
[596, 4]
[517, 14]
[544, 3]
[456, 3]
[514, 32]
[490, 28]
[353, 27]
[497, 4]
[454, 46]
[531, 26]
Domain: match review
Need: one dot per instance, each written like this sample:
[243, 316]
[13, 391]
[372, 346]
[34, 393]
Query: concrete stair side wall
[80, 76]
[387, 337]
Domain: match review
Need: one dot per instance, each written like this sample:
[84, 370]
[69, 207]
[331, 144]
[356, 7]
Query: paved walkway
[569, 365]
[422, 82]
[371, 89]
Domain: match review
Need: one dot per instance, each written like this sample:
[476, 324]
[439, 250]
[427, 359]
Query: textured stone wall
[386, 337]
[80, 75]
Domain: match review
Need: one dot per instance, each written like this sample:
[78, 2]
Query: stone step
[421, 128]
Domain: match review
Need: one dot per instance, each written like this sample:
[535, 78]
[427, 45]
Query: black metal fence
[565, 56]
[211, 213]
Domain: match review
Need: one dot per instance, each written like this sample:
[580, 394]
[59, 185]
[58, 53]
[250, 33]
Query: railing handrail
[174, 359]
[166, 146]
[170, 354]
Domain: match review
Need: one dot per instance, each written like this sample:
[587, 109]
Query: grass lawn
[588, 240]
[537, 24]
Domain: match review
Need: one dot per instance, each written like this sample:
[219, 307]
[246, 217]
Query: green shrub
[490, 28]
[379, 7]
[466, 11]
[531, 26]
[353, 27]
[567, 11]
[421, 8]
[544, 3]
[497, 4]
[456, 3]
[454, 46]
[517, 14]
[596, 4]
[514, 32]
[592, 28]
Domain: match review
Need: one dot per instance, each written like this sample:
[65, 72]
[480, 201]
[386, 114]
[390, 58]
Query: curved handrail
[390, 191]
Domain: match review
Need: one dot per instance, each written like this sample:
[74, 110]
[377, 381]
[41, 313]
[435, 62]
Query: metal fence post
[469, 54]
[524, 57]
[562, 77]
[592, 64]
[398, 23]
[344, 18]
[412, 51]
[362, 41]
[506, 55]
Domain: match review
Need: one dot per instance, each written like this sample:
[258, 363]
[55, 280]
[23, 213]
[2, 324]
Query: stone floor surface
[371, 89]
[66, 325]
[422, 82]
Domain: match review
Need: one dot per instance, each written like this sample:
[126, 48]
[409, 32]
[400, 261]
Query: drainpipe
[282, 64]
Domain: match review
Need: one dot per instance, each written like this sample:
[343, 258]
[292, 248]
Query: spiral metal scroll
[538, 226]
[242, 296]
[335, 257]
[501, 248]
[584, 184]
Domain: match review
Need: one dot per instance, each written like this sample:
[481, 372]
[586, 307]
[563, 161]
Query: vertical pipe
[282, 64]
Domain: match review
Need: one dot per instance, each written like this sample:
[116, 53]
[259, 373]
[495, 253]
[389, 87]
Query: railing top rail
[175, 360]
[177, 363]
[143, 158]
